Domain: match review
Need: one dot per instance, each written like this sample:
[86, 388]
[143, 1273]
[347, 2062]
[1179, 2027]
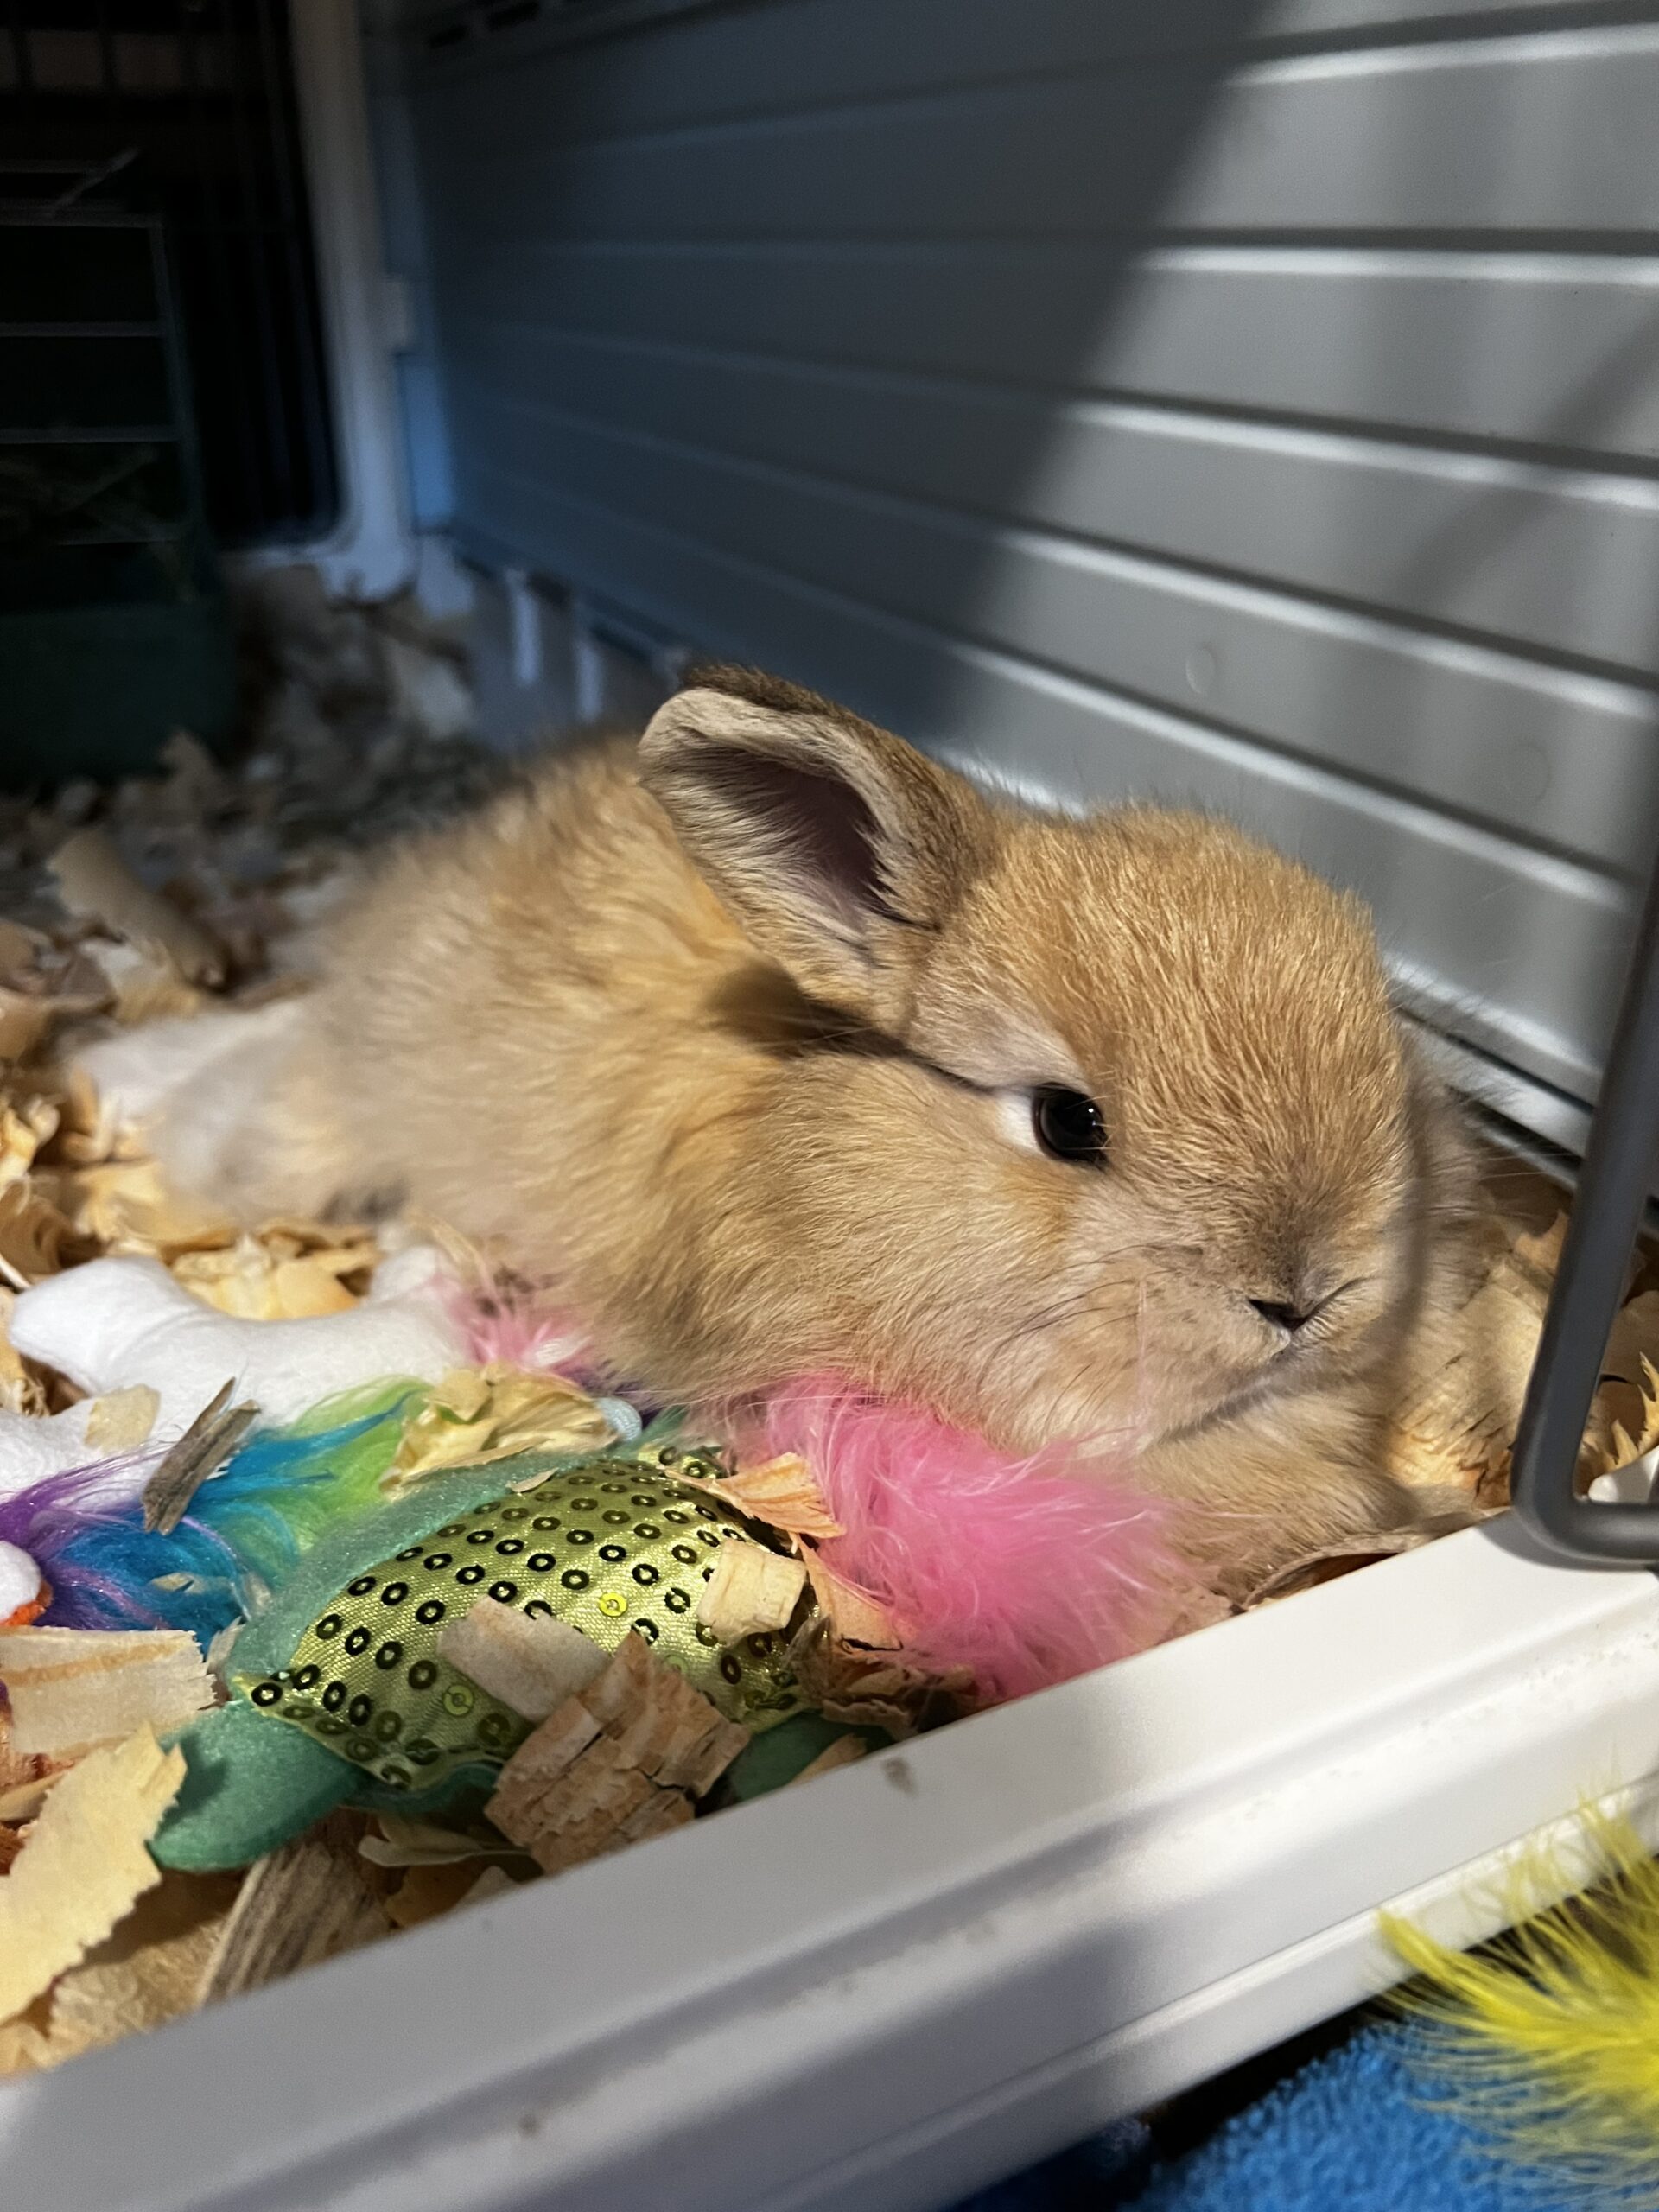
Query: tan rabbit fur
[731, 1035]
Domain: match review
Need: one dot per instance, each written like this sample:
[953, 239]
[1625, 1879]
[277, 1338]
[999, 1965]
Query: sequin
[406, 1716]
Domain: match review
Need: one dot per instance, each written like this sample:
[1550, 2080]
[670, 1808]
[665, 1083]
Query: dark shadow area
[182, 110]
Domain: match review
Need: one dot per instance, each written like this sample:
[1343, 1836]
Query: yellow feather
[1548, 2040]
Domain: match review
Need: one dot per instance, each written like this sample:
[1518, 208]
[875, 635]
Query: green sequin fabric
[615, 1546]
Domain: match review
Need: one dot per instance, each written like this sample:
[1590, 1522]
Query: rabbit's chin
[1196, 1414]
[1262, 1391]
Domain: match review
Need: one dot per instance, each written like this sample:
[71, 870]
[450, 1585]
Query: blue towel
[1349, 2133]
[1099, 2176]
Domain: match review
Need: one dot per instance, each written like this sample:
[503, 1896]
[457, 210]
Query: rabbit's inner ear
[816, 832]
[838, 847]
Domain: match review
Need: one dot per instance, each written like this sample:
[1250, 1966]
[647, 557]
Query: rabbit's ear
[839, 849]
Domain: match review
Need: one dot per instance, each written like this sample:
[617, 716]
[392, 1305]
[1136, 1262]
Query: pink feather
[508, 1322]
[1026, 1571]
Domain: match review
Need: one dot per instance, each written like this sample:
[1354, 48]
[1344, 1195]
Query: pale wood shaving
[219, 1650]
[404, 1842]
[94, 881]
[24, 1023]
[1467, 1371]
[26, 1124]
[855, 1617]
[149, 1971]
[494, 1882]
[25, 2044]
[84, 1865]
[41, 984]
[1624, 1419]
[122, 1420]
[257, 1278]
[1465, 1377]
[619, 1762]
[145, 979]
[477, 1415]
[752, 1591]
[22, 1801]
[540, 1763]
[1538, 1253]
[846, 1750]
[873, 1689]
[87, 1130]
[476, 1264]
[36, 1239]
[17, 1769]
[124, 1205]
[428, 1890]
[596, 1803]
[70, 1688]
[291, 1234]
[1329, 1561]
[532, 1663]
[1629, 1484]
[305, 1903]
[22, 1390]
[783, 1493]
[660, 1722]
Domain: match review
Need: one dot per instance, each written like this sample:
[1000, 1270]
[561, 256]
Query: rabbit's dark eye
[1067, 1124]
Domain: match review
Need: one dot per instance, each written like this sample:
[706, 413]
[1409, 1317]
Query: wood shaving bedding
[71, 1689]
[83, 1865]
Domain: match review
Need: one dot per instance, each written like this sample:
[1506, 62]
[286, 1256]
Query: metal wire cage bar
[1607, 1212]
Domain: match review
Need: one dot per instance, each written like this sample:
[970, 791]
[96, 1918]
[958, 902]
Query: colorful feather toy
[245, 1530]
[1548, 2040]
[1026, 1571]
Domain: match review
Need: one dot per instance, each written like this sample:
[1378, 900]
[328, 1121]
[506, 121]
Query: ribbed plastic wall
[1257, 406]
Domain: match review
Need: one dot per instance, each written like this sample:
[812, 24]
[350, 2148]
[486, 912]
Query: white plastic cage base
[892, 1986]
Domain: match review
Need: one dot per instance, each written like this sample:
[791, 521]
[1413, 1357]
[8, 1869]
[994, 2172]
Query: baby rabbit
[777, 1048]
